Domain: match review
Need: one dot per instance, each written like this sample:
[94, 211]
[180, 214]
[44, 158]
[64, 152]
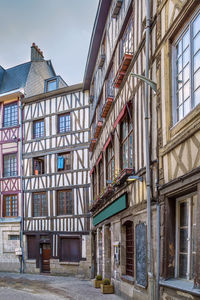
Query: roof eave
[99, 24]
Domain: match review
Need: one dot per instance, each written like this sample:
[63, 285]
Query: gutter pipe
[158, 236]
[148, 180]
[22, 191]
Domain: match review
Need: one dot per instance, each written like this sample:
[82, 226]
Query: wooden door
[46, 255]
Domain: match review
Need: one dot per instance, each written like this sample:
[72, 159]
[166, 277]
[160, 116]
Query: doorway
[45, 258]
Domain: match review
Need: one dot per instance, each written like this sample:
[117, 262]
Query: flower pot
[97, 283]
[107, 289]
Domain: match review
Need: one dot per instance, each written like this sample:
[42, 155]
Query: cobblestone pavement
[42, 287]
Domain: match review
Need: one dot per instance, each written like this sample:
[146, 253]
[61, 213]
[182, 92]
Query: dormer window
[51, 85]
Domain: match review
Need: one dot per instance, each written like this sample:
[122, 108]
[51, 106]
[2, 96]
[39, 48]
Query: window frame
[130, 224]
[110, 161]
[34, 133]
[123, 140]
[15, 172]
[101, 175]
[79, 243]
[45, 214]
[40, 160]
[65, 202]
[65, 127]
[94, 183]
[65, 158]
[186, 199]
[9, 105]
[11, 205]
[174, 88]
[48, 81]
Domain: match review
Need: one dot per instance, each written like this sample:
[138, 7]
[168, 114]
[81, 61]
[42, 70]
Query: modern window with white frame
[185, 236]
[186, 70]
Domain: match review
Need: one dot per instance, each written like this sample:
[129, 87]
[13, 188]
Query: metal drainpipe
[158, 237]
[148, 180]
[22, 198]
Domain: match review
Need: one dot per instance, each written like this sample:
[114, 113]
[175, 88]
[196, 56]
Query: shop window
[10, 207]
[38, 165]
[70, 249]
[65, 203]
[64, 161]
[10, 115]
[10, 165]
[186, 70]
[64, 123]
[38, 129]
[40, 207]
[127, 142]
[129, 249]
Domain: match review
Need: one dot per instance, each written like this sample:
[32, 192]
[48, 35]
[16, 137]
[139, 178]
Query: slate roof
[14, 78]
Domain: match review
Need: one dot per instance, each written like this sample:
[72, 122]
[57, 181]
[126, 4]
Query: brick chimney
[36, 53]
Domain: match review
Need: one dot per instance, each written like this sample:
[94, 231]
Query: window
[10, 115]
[51, 85]
[38, 129]
[10, 207]
[94, 177]
[10, 165]
[39, 205]
[101, 176]
[126, 43]
[38, 165]
[70, 249]
[129, 249]
[65, 203]
[13, 237]
[64, 123]
[64, 161]
[187, 64]
[185, 237]
[110, 162]
[127, 143]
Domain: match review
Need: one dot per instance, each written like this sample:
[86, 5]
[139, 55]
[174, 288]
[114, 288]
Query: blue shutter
[60, 162]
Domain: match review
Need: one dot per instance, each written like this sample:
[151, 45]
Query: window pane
[196, 43]
[183, 214]
[197, 97]
[64, 123]
[196, 61]
[186, 73]
[183, 240]
[179, 64]
[187, 107]
[51, 85]
[186, 57]
[10, 165]
[196, 25]
[183, 265]
[38, 129]
[197, 79]
[186, 90]
[186, 40]
[10, 115]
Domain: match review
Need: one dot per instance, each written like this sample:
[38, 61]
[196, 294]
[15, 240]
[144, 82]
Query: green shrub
[106, 281]
[99, 277]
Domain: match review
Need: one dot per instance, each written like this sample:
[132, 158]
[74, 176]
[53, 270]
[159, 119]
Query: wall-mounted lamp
[134, 178]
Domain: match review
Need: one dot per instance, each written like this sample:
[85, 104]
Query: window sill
[71, 263]
[128, 279]
[180, 284]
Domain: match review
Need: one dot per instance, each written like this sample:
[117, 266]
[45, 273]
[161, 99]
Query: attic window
[51, 85]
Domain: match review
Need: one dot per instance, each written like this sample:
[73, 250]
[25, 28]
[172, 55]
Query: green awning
[111, 210]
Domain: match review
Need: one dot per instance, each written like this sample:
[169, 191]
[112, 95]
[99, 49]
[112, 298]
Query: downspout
[148, 180]
[158, 235]
[22, 197]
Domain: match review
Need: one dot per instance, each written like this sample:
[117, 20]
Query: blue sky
[61, 28]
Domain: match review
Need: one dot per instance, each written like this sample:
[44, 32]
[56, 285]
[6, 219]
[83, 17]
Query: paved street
[36, 287]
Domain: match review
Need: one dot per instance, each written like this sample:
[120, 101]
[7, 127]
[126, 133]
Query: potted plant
[106, 287]
[98, 281]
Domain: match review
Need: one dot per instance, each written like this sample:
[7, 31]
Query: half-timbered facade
[15, 83]
[178, 98]
[56, 182]
[117, 156]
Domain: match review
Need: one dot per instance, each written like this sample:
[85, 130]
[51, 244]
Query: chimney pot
[36, 53]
